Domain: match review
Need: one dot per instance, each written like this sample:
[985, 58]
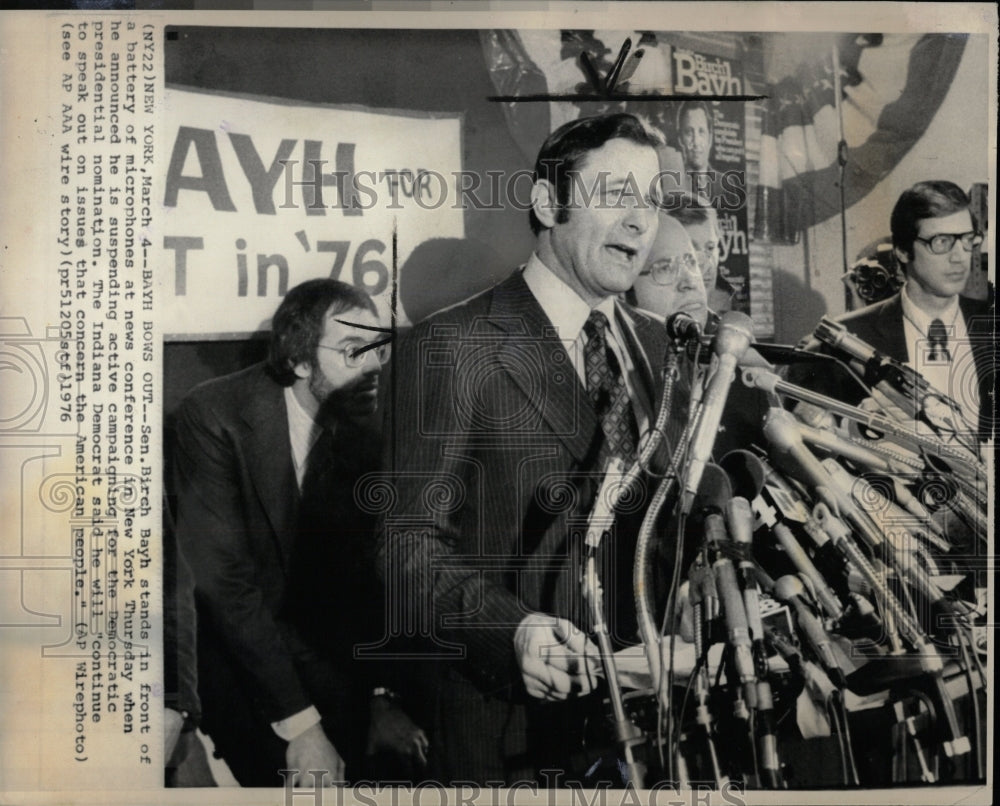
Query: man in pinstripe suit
[496, 447]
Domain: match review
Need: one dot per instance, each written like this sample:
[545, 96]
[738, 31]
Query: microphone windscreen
[735, 334]
[714, 490]
[746, 473]
[682, 326]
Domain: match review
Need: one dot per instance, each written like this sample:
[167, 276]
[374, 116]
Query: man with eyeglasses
[945, 336]
[671, 280]
[282, 555]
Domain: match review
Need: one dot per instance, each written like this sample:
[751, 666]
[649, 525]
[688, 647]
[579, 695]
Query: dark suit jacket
[881, 325]
[270, 570]
[492, 449]
[180, 657]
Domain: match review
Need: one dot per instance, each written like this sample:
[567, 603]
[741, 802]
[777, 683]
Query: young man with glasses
[282, 555]
[946, 337]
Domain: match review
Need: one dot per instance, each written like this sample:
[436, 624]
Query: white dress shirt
[303, 431]
[568, 313]
[955, 377]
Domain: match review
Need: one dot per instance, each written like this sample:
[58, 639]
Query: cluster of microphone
[819, 555]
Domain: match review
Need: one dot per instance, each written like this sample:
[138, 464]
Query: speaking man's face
[609, 222]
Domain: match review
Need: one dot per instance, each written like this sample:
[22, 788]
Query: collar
[560, 303]
[920, 318]
[303, 431]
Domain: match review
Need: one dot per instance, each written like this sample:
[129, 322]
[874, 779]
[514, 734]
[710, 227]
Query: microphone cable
[642, 584]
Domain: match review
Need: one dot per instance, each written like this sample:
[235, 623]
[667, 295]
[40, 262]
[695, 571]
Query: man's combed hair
[298, 324]
[564, 150]
[932, 199]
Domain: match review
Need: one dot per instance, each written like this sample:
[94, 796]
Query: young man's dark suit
[881, 325]
[268, 576]
[493, 451]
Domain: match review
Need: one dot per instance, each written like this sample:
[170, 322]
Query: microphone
[790, 589]
[782, 431]
[834, 443]
[900, 527]
[739, 519]
[901, 385]
[814, 415]
[891, 550]
[682, 327]
[704, 597]
[788, 354]
[955, 743]
[768, 730]
[732, 340]
[701, 591]
[837, 335]
[733, 614]
[824, 593]
[814, 677]
[775, 501]
[713, 493]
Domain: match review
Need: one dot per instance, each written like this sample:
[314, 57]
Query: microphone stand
[739, 519]
[626, 733]
[740, 668]
[964, 471]
[841, 161]
[901, 385]
[771, 382]
[703, 714]
[781, 432]
[841, 164]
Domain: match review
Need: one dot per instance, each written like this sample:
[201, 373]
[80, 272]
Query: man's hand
[391, 730]
[557, 659]
[311, 750]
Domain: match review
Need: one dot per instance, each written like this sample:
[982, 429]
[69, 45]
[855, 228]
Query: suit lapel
[981, 328]
[269, 460]
[889, 325]
[539, 367]
[979, 325]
